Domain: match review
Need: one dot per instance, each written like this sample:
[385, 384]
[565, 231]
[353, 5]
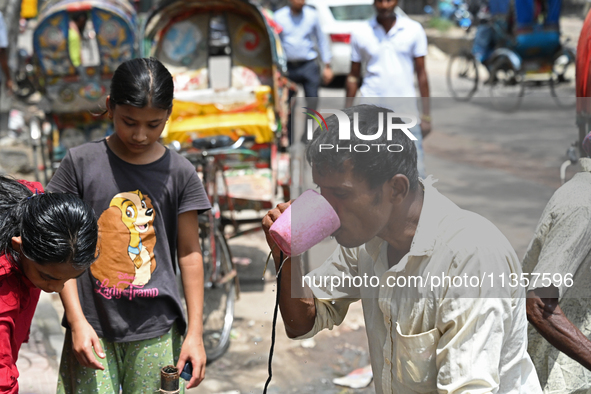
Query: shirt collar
[373, 247]
[435, 208]
[585, 163]
[300, 15]
[399, 25]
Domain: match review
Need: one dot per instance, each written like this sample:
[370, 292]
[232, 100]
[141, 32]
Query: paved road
[503, 166]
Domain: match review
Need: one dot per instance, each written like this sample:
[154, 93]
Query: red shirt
[18, 300]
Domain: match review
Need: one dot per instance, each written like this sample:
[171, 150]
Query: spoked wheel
[220, 294]
[506, 85]
[563, 82]
[462, 76]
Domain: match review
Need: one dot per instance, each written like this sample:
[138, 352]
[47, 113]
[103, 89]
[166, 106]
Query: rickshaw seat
[537, 43]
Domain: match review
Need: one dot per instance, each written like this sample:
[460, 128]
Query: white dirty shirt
[432, 341]
[389, 56]
[561, 246]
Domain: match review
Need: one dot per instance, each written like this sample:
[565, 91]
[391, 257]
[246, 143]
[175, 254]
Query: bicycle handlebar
[235, 149]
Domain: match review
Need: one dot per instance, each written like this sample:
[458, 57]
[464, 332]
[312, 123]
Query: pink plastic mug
[306, 222]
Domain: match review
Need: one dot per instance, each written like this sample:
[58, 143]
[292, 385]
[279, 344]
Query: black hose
[274, 328]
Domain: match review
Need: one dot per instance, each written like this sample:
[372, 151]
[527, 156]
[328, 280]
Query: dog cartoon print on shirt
[127, 240]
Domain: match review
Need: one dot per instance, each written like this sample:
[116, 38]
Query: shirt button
[388, 361]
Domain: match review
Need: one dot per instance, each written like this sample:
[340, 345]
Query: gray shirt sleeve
[191, 195]
[64, 179]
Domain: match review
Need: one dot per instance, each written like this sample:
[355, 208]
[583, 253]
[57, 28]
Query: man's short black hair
[376, 166]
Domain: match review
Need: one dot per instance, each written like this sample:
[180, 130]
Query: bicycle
[512, 68]
[221, 278]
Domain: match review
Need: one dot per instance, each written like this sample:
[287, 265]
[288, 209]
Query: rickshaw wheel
[506, 85]
[462, 76]
[563, 80]
[219, 295]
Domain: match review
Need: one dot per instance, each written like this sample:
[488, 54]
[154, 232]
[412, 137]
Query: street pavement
[502, 166]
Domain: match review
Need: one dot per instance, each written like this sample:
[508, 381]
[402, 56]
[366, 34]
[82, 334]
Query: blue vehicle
[518, 43]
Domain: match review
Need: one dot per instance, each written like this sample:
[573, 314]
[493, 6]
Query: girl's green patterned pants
[130, 367]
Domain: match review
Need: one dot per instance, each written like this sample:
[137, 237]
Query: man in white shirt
[393, 49]
[397, 235]
[559, 301]
[303, 41]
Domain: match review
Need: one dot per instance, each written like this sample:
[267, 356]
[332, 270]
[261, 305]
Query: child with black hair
[127, 308]
[45, 240]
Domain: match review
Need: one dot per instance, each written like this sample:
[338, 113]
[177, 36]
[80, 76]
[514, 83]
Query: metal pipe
[563, 168]
[169, 380]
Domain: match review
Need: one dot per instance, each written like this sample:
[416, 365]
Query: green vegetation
[440, 24]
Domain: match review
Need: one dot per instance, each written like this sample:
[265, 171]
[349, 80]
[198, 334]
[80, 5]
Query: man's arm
[352, 83]
[549, 320]
[299, 314]
[562, 251]
[4, 53]
[325, 53]
[423, 82]
[5, 69]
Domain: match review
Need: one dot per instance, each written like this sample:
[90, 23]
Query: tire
[219, 295]
[563, 81]
[462, 76]
[506, 85]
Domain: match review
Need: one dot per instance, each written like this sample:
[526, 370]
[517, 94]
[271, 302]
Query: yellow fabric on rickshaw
[29, 9]
[254, 116]
[234, 125]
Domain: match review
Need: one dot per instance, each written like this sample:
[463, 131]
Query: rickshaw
[524, 50]
[229, 112]
[74, 85]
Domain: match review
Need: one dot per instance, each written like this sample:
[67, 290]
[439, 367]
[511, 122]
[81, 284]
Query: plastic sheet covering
[231, 112]
[29, 9]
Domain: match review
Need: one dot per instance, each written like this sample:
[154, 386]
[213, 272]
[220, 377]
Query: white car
[338, 19]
